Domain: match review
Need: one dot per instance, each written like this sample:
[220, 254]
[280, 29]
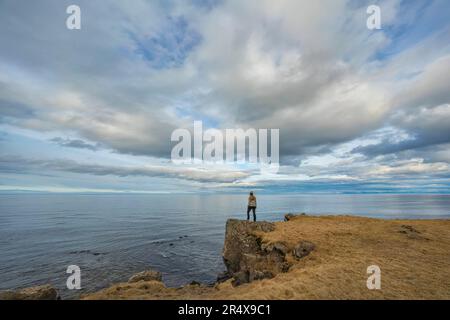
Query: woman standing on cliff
[251, 206]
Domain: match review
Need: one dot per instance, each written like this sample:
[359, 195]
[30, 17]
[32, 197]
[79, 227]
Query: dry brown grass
[413, 265]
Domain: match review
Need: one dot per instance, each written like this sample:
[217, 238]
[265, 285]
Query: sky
[93, 110]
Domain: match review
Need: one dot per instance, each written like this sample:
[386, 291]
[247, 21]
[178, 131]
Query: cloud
[415, 167]
[424, 127]
[138, 70]
[429, 88]
[270, 68]
[170, 47]
[75, 143]
[200, 174]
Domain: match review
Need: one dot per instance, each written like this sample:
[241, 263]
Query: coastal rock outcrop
[290, 216]
[246, 257]
[45, 292]
[148, 275]
[411, 232]
[303, 248]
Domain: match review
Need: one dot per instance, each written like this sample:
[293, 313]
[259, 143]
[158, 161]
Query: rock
[280, 246]
[240, 278]
[407, 228]
[195, 283]
[86, 252]
[149, 275]
[240, 240]
[290, 216]
[411, 232]
[259, 275]
[45, 292]
[223, 276]
[247, 276]
[246, 258]
[303, 249]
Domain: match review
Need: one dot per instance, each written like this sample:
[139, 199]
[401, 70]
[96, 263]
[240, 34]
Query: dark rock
[246, 258]
[280, 246]
[411, 232]
[240, 277]
[148, 275]
[86, 252]
[45, 292]
[240, 240]
[223, 276]
[303, 249]
[247, 276]
[259, 275]
[409, 228]
[290, 216]
[195, 283]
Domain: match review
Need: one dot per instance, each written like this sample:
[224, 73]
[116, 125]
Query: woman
[251, 206]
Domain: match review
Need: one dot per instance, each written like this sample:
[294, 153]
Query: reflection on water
[113, 236]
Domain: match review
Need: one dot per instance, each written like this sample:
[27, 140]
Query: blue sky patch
[170, 47]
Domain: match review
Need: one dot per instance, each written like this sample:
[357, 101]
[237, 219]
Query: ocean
[112, 236]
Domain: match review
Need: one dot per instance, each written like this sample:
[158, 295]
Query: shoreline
[309, 257]
[319, 257]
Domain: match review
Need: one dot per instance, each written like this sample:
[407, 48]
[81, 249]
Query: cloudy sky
[92, 110]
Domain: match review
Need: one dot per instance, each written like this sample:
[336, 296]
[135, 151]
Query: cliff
[247, 257]
[317, 257]
[320, 257]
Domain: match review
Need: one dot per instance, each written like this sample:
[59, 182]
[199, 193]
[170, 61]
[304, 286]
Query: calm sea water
[111, 237]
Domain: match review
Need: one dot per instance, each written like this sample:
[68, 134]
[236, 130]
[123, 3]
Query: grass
[414, 257]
